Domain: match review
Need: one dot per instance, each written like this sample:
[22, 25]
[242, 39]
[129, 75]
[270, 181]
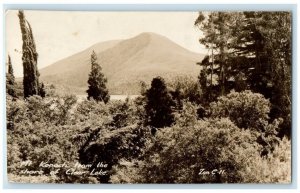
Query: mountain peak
[151, 36]
[125, 63]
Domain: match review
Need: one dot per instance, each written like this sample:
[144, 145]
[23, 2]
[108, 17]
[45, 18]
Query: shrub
[185, 88]
[90, 113]
[107, 133]
[52, 110]
[126, 172]
[110, 146]
[177, 154]
[124, 113]
[245, 109]
[273, 168]
[187, 116]
[38, 130]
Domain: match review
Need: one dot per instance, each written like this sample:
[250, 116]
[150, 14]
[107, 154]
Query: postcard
[148, 97]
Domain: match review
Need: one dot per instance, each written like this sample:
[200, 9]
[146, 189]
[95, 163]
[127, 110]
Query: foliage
[143, 86]
[250, 111]
[91, 132]
[249, 50]
[187, 116]
[13, 178]
[54, 110]
[177, 154]
[185, 88]
[31, 74]
[97, 82]
[203, 80]
[123, 113]
[126, 172]
[245, 109]
[274, 168]
[10, 79]
[38, 130]
[42, 90]
[109, 146]
[271, 66]
[107, 133]
[217, 30]
[159, 104]
[90, 113]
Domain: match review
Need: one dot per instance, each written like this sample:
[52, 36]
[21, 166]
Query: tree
[249, 50]
[216, 27]
[264, 45]
[42, 90]
[97, 82]
[10, 79]
[278, 46]
[31, 74]
[159, 104]
[143, 88]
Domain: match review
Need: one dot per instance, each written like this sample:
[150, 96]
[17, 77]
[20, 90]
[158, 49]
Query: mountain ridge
[125, 63]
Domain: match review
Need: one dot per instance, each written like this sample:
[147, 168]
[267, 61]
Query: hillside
[125, 63]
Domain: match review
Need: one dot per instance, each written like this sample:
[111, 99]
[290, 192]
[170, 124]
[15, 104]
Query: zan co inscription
[204, 172]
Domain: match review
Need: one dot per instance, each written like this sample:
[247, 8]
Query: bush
[124, 113]
[90, 113]
[126, 172]
[245, 109]
[107, 133]
[274, 168]
[51, 110]
[177, 154]
[187, 116]
[38, 130]
[185, 88]
[110, 146]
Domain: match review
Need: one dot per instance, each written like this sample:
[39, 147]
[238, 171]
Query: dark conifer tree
[10, 79]
[159, 104]
[97, 82]
[31, 74]
[42, 90]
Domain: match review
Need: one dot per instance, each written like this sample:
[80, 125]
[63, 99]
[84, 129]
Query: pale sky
[59, 34]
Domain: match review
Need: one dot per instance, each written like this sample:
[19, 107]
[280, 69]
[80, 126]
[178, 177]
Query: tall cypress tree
[31, 74]
[97, 82]
[10, 79]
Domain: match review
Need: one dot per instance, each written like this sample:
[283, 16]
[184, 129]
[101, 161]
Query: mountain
[125, 63]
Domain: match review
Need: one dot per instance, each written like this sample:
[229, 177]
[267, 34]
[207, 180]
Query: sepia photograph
[148, 97]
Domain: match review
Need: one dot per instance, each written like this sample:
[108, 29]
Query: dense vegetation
[228, 121]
